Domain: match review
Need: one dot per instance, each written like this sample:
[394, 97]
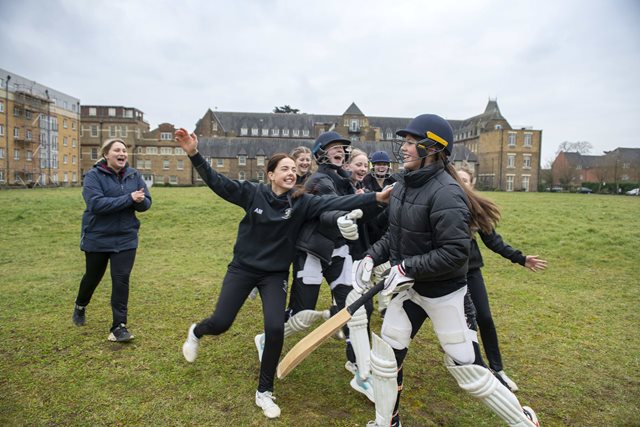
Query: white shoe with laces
[190, 346]
[265, 400]
[512, 385]
[531, 414]
[363, 386]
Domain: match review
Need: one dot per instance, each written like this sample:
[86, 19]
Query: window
[64, 122]
[510, 179]
[94, 154]
[1, 107]
[16, 154]
[29, 135]
[1, 153]
[296, 133]
[305, 132]
[260, 160]
[165, 164]
[214, 125]
[1, 130]
[112, 112]
[2, 176]
[285, 132]
[242, 160]
[159, 179]
[29, 155]
[254, 132]
[73, 125]
[180, 165]
[167, 151]
[74, 143]
[244, 131]
[525, 182]
[260, 176]
[527, 140]
[265, 131]
[166, 136]
[152, 150]
[123, 131]
[112, 131]
[275, 132]
[92, 111]
[65, 159]
[179, 151]
[16, 111]
[219, 163]
[94, 130]
[128, 113]
[28, 114]
[511, 161]
[354, 126]
[65, 177]
[147, 164]
[74, 177]
[65, 141]
[512, 139]
[139, 164]
[173, 180]
[526, 162]
[498, 127]
[389, 135]
[16, 132]
[241, 176]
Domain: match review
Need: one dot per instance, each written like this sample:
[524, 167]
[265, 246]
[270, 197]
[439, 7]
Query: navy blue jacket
[268, 231]
[109, 222]
[494, 242]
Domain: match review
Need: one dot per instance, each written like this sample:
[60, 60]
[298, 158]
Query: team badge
[287, 213]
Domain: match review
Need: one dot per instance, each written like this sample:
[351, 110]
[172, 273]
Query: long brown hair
[484, 213]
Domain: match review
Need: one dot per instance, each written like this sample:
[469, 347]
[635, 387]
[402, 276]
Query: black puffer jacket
[428, 230]
[494, 242]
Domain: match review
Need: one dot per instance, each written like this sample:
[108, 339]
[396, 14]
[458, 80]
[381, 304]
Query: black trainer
[120, 334]
[78, 315]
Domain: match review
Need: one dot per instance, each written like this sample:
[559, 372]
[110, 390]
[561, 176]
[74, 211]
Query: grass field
[569, 335]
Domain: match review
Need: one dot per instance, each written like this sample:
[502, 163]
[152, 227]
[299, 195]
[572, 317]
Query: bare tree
[582, 147]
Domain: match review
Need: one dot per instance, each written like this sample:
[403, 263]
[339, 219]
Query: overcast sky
[570, 68]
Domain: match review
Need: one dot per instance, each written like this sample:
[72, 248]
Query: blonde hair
[298, 151]
[106, 146]
[355, 152]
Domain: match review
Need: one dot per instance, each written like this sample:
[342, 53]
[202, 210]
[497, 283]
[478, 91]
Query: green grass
[569, 335]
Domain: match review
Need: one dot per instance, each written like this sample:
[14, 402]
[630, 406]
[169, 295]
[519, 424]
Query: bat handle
[354, 306]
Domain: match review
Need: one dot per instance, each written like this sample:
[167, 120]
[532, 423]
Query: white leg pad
[359, 337]
[480, 383]
[384, 374]
[301, 321]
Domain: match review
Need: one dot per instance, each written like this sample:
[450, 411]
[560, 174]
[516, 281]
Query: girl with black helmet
[380, 175]
[427, 244]
[262, 254]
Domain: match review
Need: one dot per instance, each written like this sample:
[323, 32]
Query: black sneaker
[78, 315]
[120, 334]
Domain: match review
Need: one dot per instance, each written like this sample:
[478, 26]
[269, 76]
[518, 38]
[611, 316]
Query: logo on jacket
[287, 213]
[258, 211]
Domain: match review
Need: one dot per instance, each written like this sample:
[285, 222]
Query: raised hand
[188, 142]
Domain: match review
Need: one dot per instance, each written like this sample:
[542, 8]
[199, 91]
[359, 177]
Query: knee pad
[396, 327]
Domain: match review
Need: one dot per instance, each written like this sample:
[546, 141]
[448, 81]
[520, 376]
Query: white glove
[361, 274]
[396, 281]
[348, 226]
[379, 272]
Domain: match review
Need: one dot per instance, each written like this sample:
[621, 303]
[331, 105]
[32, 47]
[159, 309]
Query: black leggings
[480, 299]
[236, 287]
[121, 266]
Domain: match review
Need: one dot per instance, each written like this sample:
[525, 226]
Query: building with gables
[39, 134]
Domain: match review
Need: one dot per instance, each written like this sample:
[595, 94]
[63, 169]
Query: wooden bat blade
[309, 343]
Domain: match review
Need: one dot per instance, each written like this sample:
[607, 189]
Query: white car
[634, 192]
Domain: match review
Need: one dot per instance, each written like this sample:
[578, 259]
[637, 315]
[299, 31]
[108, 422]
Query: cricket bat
[308, 344]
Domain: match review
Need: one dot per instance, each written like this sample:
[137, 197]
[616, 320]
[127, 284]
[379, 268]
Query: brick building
[39, 134]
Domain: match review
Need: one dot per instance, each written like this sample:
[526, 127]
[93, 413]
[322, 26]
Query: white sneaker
[362, 386]
[259, 340]
[531, 414]
[351, 367]
[513, 386]
[265, 400]
[190, 346]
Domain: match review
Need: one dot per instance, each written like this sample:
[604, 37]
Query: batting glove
[348, 226]
[361, 274]
[397, 280]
